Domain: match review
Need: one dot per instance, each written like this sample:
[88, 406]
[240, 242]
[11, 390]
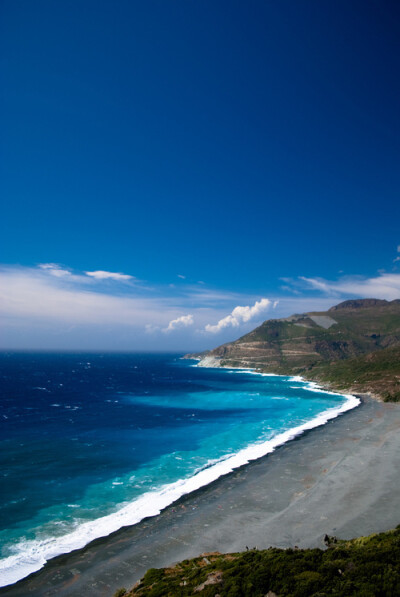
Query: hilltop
[354, 345]
[363, 566]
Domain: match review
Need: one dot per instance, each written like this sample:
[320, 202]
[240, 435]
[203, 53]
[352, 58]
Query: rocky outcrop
[209, 361]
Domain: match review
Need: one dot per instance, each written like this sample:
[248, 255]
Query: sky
[174, 173]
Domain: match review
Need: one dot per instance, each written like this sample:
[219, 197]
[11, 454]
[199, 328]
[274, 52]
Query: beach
[338, 479]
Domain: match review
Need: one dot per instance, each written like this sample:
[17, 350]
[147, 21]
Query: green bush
[153, 575]
[365, 567]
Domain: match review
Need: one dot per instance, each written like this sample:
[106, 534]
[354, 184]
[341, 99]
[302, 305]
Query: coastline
[339, 479]
[215, 363]
[14, 568]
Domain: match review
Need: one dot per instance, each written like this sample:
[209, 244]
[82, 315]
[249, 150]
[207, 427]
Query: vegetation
[379, 372]
[355, 345]
[367, 566]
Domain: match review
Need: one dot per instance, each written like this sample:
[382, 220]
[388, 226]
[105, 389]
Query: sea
[94, 442]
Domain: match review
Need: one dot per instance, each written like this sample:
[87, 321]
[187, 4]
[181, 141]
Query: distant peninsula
[354, 346]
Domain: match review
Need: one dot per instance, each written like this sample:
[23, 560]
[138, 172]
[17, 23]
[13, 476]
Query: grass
[361, 351]
[366, 566]
[377, 372]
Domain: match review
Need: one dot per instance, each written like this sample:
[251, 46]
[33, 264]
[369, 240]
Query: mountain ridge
[333, 347]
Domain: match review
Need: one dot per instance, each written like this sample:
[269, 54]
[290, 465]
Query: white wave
[250, 371]
[30, 556]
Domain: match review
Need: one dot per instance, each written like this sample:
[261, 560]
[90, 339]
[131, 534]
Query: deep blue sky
[234, 143]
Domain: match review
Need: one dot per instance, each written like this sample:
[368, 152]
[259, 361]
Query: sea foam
[32, 555]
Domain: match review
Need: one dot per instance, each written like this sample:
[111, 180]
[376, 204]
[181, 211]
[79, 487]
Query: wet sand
[341, 479]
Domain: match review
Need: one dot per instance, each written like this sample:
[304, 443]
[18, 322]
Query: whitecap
[30, 556]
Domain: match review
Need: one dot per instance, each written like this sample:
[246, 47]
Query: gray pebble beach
[339, 479]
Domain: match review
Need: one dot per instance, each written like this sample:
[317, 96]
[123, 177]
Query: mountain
[354, 345]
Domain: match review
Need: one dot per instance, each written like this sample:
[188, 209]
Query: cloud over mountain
[240, 315]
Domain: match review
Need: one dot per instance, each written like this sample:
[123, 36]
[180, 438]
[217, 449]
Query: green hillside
[367, 567]
[333, 346]
[377, 372]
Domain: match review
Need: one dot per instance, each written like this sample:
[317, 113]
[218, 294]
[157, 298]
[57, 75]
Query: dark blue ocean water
[84, 437]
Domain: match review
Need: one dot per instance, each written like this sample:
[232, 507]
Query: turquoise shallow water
[91, 443]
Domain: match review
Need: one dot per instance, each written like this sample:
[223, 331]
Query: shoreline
[340, 479]
[168, 495]
[214, 363]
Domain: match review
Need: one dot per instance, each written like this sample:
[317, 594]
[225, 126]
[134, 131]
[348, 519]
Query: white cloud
[27, 295]
[102, 275]
[180, 322]
[47, 310]
[55, 270]
[37, 305]
[385, 286]
[396, 259]
[316, 283]
[239, 315]
[53, 306]
[202, 293]
[181, 276]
